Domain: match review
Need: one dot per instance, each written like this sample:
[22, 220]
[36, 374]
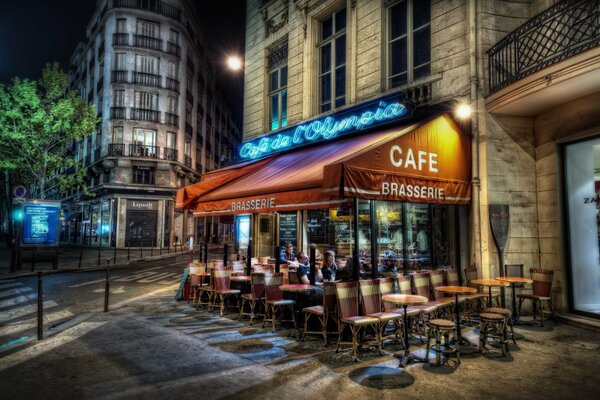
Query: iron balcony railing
[172, 119]
[141, 78]
[119, 77]
[173, 84]
[116, 150]
[141, 114]
[148, 42]
[117, 113]
[120, 39]
[188, 161]
[155, 6]
[174, 49]
[142, 150]
[170, 154]
[562, 31]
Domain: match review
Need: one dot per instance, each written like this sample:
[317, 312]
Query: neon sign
[358, 118]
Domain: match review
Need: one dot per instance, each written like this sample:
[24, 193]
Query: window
[147, 65]
[171, 140]
[187, 150]
[172, 105]
[117, 134]
[172, 70]
[147, 28]
[409, 41]
[144, 137]
[143, 175]
[278, 74]
[119, 98]
[146, 101]
[174, 36]
[121, 25]
[332, 62]
[120, 61]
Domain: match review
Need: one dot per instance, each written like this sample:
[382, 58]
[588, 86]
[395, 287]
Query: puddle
[379, 377]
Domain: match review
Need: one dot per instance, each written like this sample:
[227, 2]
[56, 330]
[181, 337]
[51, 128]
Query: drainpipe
[476, 241]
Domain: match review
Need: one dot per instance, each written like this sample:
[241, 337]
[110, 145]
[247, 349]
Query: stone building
[147, 68]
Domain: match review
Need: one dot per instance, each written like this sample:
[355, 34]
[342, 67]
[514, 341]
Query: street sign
[20, 191]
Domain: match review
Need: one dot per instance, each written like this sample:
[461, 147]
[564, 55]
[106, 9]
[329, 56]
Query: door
[265, 239]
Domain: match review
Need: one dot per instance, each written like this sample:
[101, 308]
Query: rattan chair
[480, 297]
[222, 290]
[255, 297]
[492, 325]
[437, 329]
[274, 300]
[542, 293]
[371, 293]
[324, 313]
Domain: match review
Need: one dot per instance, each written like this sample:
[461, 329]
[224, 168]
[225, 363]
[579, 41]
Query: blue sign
[363, 116]
[40, 223]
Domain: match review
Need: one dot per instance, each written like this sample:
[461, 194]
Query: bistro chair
[274, 300]
[468, 301]
[446, 302]
[195, 282]
[370, 292]
[222, 290]
[323, 313]
[471, 274]
[492, 325]
[542, 292]
[238, 267]
[508, 314]
[437, 329]
[206, 291]
[347, 297]
[255, 297]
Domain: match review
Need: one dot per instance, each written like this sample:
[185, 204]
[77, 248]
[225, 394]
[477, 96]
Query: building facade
[529, 70]
[147, 68]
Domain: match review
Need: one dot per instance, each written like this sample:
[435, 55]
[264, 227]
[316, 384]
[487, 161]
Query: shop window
[278, 75]
[143, 175]
[332, 61]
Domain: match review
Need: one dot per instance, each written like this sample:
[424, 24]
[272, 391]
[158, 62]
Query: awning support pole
[355, 252]
[374, 261]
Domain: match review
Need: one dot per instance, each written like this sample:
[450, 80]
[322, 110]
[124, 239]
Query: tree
[39, 122]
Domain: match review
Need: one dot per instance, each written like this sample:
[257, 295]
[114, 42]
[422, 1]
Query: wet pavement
[158, 348]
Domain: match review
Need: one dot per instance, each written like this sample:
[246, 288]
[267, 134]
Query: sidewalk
[157, 348]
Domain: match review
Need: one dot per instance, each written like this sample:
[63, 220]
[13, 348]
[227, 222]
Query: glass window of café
[582, 194]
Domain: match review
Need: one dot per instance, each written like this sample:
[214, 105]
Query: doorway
[265, 238]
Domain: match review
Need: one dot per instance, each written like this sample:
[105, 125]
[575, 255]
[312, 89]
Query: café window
[143, 175]
[332, 61]
[278, 74]
[408, 41]
[582, 185]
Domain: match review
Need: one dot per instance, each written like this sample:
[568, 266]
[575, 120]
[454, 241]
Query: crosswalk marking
[12, 292]
[9, 285]
[30, 323]
[22, 311]
[17, 300]
[156, 277]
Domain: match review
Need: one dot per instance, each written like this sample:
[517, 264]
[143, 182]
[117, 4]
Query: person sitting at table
[287, 254]
[329, 268]
[345, 272]
[303, 268]
[387, 266]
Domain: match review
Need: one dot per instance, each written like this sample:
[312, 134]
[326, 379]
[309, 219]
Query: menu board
[288, 228]
[40, 223]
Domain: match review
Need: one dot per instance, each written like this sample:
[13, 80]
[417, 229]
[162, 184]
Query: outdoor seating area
[429, 308]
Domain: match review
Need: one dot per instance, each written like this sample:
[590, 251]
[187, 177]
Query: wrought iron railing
[119, 77]
[174, 49]
[172, 119]
[142, 150]
[141, 114]
[116, 149]
[170, 154]
[117, 113]
[141, 78]
[148, 42]
[562, 31]
[159, 7]
[172, 84]
[188, 161]
[120, 39]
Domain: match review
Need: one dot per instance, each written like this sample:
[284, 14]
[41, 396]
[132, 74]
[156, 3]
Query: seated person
[329, 268]
[287, 254]
[345, 272]
[387, 266]
[303, 270]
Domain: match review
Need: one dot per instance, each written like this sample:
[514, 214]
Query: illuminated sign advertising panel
[40, 223]
[352, 120]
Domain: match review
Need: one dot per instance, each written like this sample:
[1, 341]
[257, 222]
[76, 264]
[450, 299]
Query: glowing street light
[463, 111]
[234, 63]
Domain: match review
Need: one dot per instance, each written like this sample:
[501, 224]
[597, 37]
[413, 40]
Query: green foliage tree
[39, 121]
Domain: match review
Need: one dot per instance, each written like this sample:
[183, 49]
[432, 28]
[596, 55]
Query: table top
[203, 273]
[240, 278]
[296, 288]
[405, 299]
[514, 279]
[456, 289]
[489, 282]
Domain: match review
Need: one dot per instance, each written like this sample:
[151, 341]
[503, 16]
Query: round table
[296, 288]
[406, 300]
[456, 290]
[240, 278]
[513, 280]
[489, 283]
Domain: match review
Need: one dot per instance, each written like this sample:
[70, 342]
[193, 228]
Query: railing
[170, 154]
[562, 31]
[141, 150]
[188, 161]
[173, 84]
[117, 113]
[188, 129]
[189, 97]
[159, 7]
[141, 114]
[172, 119]
[174, 49]
[148, 42]
[116, 149]
[120, 39]
[119, 76]
[141, 78]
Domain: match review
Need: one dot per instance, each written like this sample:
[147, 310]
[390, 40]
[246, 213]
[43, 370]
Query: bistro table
[514, 280]
[406, 300]
[456, 290]
[489, 283]
[296, 288]
[243, 280]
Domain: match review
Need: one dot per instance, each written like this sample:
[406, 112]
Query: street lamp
[234, 63]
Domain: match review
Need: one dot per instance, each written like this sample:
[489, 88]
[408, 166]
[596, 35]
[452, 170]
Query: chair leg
[355, 332]
[306, 317]
[541, 313]
[294, 316]
[266, 314]
[339, 341]
[428, 346]
[324, 320]
[274, 315]
[222, 300]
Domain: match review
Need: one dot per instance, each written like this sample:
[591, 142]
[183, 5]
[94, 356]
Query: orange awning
[425, 162]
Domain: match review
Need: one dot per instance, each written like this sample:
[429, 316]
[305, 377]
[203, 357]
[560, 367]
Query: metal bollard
[115, 255]
[106, 285]
[80, 257]
[141, 250]
[152, 250]
[98, 255]
[128, 248]
[40, 307]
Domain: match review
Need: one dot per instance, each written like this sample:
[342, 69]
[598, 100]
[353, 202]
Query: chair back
[193, 270]
[386, 286]
[421, 285]
[237, 267]
[452, 278]
[254, 260]
[404, 284]
[257, 285]
[542, 281]
[371, 296]
[215, 263]
[221, 278]
[347, 297]
[329, 298]
[285, 270]
[272, 283]
[515, 270]
[436, 279]
[263, 260]
[471, 274]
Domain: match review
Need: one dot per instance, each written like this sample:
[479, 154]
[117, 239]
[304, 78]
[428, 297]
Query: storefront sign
[254, 204]
[148, 205]
[358, 118]
[40, 223]
[288, 228]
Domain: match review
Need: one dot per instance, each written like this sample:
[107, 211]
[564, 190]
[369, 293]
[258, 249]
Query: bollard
[80, 257]
[152, 250]
[128, 248]
[206, 252]
[33, 259]
[115, 255]
[98, 255]
[225, 254]
[40, 308]
[141, 249]
[106, 285]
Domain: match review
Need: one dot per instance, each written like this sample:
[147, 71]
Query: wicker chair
[324, 313]
[347, 295]
[195, 282]
[255, 297]
[370, 292]
[222, 290]
[437, 329]
[480, 297]
[493, 325]
[542, 293]
[446, 302]
[274, 300]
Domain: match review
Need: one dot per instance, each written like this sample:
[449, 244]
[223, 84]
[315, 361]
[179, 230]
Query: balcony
[172, 119]
[120, 39]
[552, 58]
[119, 77]
[147, 42]
[117, 113]
[188, 161]
[142, 150]
[141, 78]
[141, 114]
[174, 49]
[116, 150]
[188, 129]
[173, 84]
[155, 6]
[170, 154]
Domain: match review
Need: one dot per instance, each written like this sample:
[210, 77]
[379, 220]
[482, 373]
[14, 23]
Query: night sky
[35, 32]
